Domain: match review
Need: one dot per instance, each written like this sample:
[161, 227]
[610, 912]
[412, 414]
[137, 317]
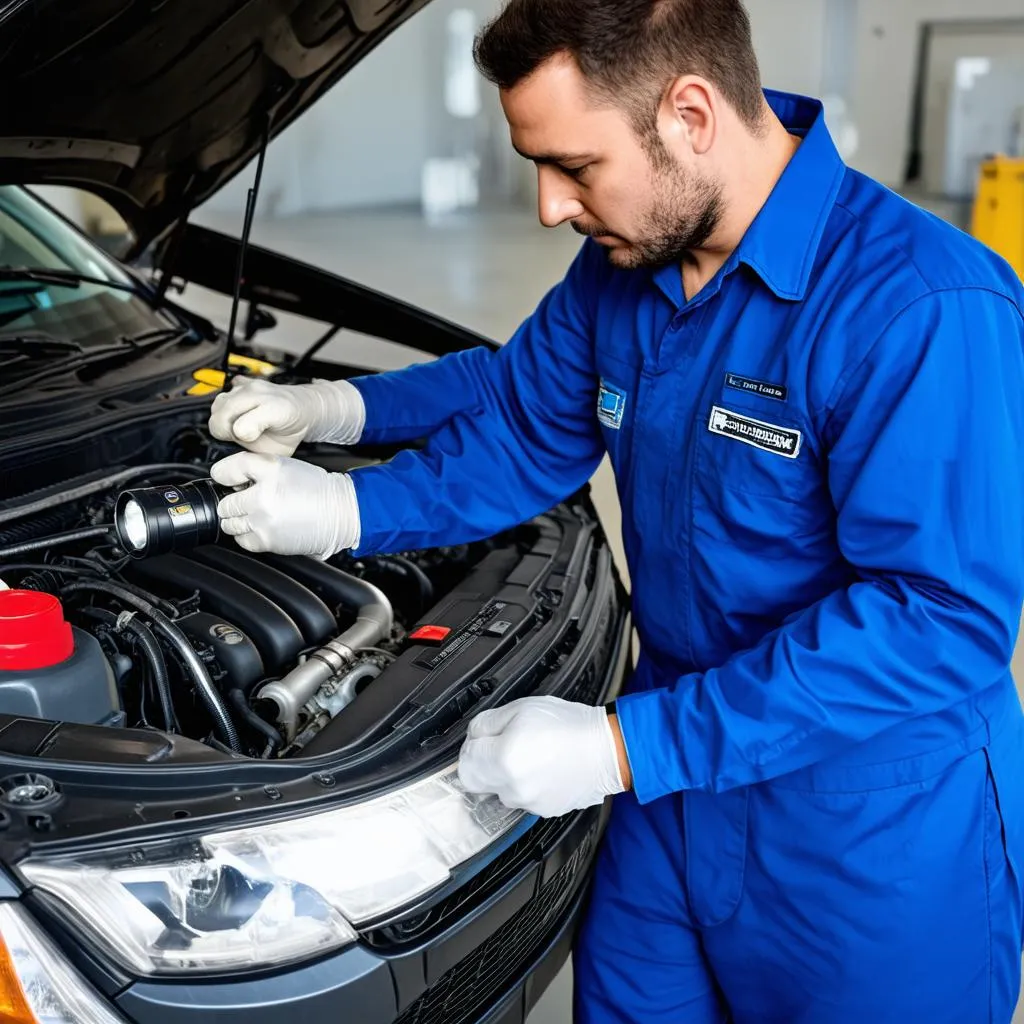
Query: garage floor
[485, 271]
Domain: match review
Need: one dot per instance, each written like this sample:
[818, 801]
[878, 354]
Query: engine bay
[253, 656]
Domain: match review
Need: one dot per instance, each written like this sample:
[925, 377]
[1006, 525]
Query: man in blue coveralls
[812, 394]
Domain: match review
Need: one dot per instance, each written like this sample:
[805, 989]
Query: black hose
[158, 667]
[41, 543]
[39, 526]
[426, 587]
[192, 662]
[68, 570]
[32, 508]
[151, 652]
[237, 698]
[168, 608]
[42, 567]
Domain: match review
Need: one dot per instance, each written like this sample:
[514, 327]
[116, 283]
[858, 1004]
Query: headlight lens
[37, 983]
[275, 893]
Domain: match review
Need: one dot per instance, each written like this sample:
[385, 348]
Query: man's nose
[557, 198]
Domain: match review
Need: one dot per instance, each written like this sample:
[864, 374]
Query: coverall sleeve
[414, 402]
[924, 441]
[529, 440]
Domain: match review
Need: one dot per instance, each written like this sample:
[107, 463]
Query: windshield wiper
[155, 334]
[37, 344]
[21, 349]
[35, 277]
[126, 350]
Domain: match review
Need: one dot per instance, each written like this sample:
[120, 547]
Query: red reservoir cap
[33, 633]
[430, 634]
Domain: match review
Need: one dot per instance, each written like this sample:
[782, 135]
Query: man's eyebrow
[552, 158]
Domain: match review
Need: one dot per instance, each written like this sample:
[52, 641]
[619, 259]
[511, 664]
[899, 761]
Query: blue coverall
[819, 459]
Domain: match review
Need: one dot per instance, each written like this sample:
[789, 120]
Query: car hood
[154, 104]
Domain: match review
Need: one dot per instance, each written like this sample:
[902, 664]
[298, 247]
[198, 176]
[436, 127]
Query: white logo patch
[782, 441]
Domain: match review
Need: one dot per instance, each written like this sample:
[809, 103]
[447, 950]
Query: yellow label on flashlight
[179, 510]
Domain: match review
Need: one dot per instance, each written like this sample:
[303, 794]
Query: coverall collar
[782, 242]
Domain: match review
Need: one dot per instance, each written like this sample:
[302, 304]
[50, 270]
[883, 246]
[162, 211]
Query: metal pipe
[332, 700]
[335, 697]
[374, 619]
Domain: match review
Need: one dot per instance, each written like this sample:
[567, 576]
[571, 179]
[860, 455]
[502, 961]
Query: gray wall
[865, 52]
[886, 42]
[365, 142]
[992, 102]
[789, 36]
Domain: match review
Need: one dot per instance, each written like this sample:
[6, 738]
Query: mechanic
[812, 395]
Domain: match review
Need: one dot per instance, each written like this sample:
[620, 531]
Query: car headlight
[275, 893]
[37, 984]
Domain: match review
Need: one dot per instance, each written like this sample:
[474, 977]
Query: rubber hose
[426, 587]
[153, 655]
[68, 570]
[158, 666]
[32, 508]
[42, 567]
[167, 607]
[237, 698]
[193, 663]
[41, 543]
[40, 526]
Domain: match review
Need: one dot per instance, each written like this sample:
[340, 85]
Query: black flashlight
[157, 520]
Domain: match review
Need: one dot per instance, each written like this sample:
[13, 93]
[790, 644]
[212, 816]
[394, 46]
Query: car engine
[252, 654]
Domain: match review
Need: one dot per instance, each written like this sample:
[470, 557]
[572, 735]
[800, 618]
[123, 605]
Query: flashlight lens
[135, 530]
[158, 520]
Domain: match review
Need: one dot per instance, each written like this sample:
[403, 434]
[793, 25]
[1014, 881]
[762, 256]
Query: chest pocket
[763, 527]
[759, 485]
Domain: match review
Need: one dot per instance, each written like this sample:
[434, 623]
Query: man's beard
[684, 214]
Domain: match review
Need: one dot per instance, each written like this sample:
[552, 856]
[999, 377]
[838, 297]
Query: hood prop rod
[250, 209]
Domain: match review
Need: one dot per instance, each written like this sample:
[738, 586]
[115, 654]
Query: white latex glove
[277, 418]
[543, 755]
[290, 507]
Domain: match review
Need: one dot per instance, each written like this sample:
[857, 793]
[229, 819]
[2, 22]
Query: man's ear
[688, 115]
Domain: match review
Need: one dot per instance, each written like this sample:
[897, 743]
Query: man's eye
[575, 172]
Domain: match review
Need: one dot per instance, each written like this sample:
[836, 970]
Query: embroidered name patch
[756, 387]
[777, 440]
[611, 405]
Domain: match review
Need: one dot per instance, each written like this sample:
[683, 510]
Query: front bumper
[483, 957]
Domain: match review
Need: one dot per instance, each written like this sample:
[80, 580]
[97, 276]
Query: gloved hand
[543, 755]
[290, 507]
[276, 418]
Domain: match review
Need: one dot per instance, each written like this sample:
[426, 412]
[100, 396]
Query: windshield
[33, 237]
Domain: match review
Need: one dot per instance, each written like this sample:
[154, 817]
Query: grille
[464, 992]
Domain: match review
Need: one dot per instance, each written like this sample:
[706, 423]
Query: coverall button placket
[663, 454]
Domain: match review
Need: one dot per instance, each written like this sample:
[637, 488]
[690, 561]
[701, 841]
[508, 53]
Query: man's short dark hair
[629, 50]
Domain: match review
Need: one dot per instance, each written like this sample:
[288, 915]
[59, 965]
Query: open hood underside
[155, 104]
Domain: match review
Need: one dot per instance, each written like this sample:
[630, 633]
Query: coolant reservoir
[50, 669]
